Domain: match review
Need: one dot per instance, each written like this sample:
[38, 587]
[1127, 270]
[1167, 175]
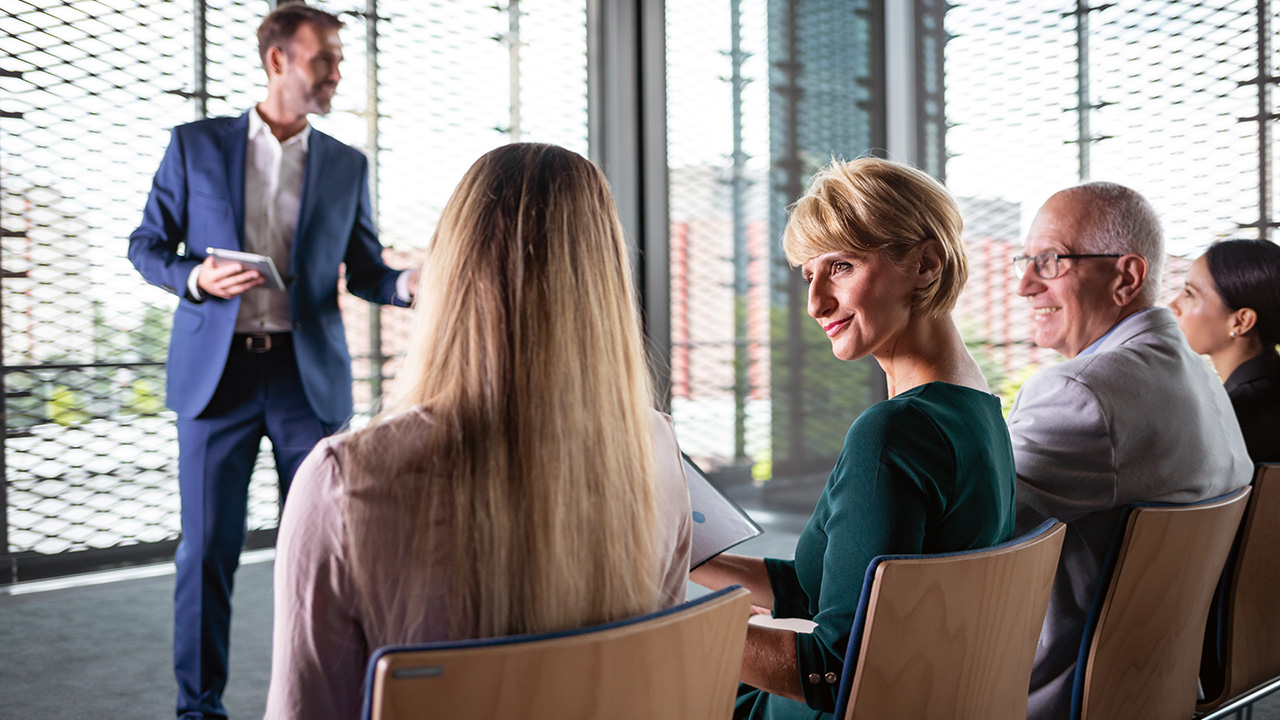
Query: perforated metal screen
[1161, 96]
[88, 450]
[1013, 100]
[453, 81]
[760, 94]
[88, 91]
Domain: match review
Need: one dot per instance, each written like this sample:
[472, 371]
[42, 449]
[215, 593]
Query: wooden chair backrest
[953, 637]
[682, 664]
[1252, 640]
[1144, 656]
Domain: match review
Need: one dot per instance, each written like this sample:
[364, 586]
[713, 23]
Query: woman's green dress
[927, 471]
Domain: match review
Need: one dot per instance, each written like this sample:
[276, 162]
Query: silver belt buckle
[258, 343]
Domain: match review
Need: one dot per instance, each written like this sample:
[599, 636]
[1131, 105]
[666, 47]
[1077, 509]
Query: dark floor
[103, 650]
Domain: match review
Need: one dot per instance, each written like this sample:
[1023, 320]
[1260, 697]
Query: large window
[760, 94]
[88, 90]
[1158, 95]
[1007, 101]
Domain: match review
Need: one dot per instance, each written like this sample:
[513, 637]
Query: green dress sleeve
[879, 499]
[789, 599]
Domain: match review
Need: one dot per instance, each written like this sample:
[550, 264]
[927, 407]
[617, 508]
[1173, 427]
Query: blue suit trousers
[259, 394]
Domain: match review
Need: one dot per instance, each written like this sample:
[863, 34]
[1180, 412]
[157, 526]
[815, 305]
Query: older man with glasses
[1132, 415]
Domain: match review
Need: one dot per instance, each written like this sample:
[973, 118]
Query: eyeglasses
[1046, 263]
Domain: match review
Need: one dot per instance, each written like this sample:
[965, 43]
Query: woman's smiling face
[862, 301]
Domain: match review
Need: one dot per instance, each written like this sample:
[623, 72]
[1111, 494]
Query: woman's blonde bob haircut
[531, 495]
[871, 205]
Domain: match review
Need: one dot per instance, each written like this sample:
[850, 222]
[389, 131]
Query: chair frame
[988, 604]
[543, 675]
[1133, 662]
[1247, 644]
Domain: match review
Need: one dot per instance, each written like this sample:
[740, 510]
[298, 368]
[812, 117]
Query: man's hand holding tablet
[227, 273]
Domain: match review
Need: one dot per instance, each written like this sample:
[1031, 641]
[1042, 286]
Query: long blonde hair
[532, 487]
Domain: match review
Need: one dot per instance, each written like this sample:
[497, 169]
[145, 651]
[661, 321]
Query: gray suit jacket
[1143, 418]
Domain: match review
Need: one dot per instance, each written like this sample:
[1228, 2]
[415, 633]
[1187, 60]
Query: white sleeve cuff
[193, 284]
[402, 287]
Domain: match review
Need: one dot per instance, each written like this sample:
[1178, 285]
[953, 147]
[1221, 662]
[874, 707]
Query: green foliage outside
[25, 405]
[143, 398]
[73, 397]
[65, 408]
[832, 392]
[1004, 385]
[1009, 386]
[151, 340]
[762, 465]
[980, 349]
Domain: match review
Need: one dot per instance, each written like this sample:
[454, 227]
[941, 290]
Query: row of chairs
[938, 636]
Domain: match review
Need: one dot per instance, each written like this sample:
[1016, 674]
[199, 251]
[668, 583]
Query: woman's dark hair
[1247, 273]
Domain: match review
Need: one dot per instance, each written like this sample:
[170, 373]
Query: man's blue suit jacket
[197, 201]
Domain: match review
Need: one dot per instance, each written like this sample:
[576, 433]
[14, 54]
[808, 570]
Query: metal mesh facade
[88, 450]
[1157, 95]
[1014, 101]
[453, 81]
[88, 91]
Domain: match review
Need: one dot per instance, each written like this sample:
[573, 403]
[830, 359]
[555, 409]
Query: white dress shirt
[274, 172]
[273, 175]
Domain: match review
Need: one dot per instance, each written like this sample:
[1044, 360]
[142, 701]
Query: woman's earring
[1233, 333]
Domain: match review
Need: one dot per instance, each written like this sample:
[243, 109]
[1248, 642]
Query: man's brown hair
[281, 24]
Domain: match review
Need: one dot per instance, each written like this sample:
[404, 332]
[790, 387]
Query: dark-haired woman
[1230, 311]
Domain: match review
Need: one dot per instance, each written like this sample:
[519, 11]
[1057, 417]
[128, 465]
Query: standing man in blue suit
[246, 361]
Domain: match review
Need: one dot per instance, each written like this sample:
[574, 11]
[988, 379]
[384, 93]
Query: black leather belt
[261, 342]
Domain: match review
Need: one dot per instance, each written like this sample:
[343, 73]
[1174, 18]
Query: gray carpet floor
[103, 651]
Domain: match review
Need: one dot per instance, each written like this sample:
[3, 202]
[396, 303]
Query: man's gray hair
[1122, 221]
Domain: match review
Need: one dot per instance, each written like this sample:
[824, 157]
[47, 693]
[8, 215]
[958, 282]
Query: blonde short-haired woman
[928, 470]
[521, 482]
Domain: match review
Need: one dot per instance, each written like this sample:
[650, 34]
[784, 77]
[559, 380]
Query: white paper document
[718, 522]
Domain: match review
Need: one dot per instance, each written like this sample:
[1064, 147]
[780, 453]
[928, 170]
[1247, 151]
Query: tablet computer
[265, 266]
[718, 522]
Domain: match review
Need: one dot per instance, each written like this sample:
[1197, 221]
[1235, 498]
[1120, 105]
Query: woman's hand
[725, 570]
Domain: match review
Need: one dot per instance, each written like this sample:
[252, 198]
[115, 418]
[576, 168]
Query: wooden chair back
[1145, 636]
[950, 637]
[679, 663]
[1251, 603]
